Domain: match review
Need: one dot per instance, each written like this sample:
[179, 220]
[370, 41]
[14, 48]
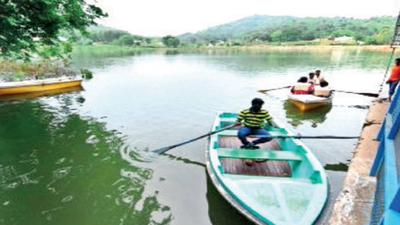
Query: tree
[23, 21]
[276, 35]
[107, 36]
[126, 40]
[341, 33]
[384, 36]
[170, 41]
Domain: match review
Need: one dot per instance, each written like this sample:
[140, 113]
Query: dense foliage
[117, 37]
[376, 30]
[170, 41]
[27, 24]
[107, 36]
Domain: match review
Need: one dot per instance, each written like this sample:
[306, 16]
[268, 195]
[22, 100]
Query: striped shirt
[254, 119]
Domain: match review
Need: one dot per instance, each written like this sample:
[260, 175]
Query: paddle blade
[161, 150]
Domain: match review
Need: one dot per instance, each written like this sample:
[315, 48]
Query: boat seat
[234, 133]
[260, 154]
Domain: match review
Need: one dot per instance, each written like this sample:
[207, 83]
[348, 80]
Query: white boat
[307, 101]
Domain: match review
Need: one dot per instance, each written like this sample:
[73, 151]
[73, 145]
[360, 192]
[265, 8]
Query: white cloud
[175, 17]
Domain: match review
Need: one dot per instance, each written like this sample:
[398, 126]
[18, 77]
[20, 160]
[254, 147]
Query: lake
[81, 157]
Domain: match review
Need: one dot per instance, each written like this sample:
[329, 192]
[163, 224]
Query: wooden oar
[162, 150]
[306, 137]
[273, 89]
[360, 93]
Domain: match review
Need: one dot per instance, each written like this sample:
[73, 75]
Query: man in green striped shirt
[253, 122]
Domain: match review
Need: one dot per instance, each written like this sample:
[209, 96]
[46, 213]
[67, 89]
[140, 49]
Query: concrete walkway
[354, 204]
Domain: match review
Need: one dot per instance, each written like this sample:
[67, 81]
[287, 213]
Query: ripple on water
[133, 155]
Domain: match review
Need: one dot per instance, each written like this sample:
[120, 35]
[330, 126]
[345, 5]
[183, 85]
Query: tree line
[268, 30]
[376, 30]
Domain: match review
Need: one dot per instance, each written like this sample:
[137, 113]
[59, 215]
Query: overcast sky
[175, 17]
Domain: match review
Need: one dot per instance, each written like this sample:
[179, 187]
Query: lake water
[80, 157]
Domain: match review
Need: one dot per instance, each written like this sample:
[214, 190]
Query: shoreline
[372, 48]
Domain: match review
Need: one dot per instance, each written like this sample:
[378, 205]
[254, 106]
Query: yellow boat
[307, 102]
[12, 88]
[37, 94]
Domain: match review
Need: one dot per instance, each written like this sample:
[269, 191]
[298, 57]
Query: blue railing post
[395, 205]
[378, 159]
[384, 167]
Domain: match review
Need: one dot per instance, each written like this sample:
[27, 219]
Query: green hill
[376, 30]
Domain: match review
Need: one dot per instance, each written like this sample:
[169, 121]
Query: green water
[80, 157]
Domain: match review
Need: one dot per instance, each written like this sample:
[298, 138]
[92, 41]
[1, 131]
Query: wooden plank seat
[259, 154]
[234, 133]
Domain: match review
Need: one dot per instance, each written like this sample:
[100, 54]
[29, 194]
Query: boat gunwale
[34, 83]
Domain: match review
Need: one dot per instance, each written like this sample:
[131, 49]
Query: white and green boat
[285, 185]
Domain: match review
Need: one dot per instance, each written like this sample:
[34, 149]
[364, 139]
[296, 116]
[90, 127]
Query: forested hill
[376, 30]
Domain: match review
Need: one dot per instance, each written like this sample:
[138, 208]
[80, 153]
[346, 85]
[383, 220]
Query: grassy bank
[19, 70]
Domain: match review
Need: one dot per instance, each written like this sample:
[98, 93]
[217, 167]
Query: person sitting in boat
[312, 79]
[318, 75]
[302, 87]
[252, 121]
[323, 90]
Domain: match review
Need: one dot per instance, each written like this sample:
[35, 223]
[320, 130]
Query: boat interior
[278, 158]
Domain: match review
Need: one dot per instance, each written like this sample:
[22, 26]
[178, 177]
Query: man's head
[397, 61]
[324, 83]
[311, 75]
[303, 80]
[256, 104]
[317, 73]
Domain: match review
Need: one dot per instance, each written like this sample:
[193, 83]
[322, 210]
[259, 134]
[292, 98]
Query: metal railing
[386, 168]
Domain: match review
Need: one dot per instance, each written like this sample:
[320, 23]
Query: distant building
[320, 40]
[344, 38]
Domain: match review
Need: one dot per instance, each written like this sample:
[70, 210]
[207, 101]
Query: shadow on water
[337, 167]
[57, 167]
[186, 160]
[296, 117]
[220, 211]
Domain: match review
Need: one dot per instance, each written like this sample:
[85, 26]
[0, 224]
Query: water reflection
[296, 117]
[59, 168]
[172, 52]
